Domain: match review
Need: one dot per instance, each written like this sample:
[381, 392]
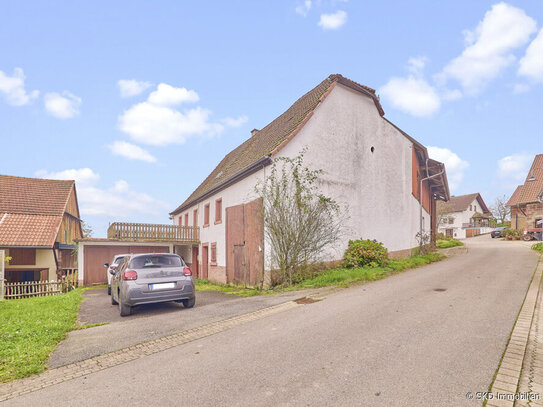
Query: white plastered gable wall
[375, 187]
[460, 218]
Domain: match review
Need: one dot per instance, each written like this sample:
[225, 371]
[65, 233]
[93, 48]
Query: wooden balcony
[153, 232]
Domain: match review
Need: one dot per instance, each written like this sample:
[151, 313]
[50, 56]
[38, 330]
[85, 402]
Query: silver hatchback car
[150, 278]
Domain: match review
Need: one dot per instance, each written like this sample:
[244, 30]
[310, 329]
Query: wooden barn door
[240, 271]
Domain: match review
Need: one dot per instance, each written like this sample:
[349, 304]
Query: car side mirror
[106, 265]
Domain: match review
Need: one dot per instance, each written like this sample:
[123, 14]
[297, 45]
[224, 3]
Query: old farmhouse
[464, 216]
[370, 166]
[39, 220]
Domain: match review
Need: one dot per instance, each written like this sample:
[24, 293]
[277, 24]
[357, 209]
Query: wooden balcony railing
[152, 232]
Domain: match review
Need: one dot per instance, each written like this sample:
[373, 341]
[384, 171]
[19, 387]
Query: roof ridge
[37, 178]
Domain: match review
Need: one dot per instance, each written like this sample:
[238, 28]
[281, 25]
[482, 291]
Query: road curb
[79, 369]
[507, 378]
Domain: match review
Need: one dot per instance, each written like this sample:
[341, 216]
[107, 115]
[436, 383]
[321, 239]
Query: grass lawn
[445, 244]
[332, 277]
[31, 328]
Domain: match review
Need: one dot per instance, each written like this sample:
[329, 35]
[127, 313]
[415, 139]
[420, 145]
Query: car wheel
[113, 302]
[125, 309]
[189, 303]
[108, 290]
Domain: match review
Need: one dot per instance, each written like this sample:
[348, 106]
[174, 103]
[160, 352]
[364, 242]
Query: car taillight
[187, 271]
[130, 275]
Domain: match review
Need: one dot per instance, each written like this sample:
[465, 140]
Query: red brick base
[400, 254]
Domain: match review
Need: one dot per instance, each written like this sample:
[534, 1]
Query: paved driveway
[97, 308]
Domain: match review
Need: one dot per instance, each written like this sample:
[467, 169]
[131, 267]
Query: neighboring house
[464, 216]
[525, 203]
[39, 220]
[370, 166]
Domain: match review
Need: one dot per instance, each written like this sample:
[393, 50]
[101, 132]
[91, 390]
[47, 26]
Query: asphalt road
[425, 337]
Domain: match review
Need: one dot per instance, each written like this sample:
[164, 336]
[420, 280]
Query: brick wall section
[525, 216]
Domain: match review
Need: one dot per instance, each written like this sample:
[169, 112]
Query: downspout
[428, 177]
[56, 261]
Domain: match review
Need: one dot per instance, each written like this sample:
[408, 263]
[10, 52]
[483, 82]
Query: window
[470, 208]
[195, 217]
[451, 221]
[65, 236]
[213, 259]
[22, 257]
[186, 219]
[180, 220]
[218, 211]
[206, 215]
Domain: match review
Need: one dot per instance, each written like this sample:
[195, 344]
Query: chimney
[254, 131]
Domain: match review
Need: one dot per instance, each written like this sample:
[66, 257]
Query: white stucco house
[464, 216]
[370, 166]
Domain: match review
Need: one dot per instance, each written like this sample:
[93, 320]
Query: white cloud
[13, 88]
[411, 95]
[167, 95]
[131, 151]
[333, 21]
[454, 165]
[238, 122]
[119, 201]
[304, 8]
[416, 65]
[132, 87]
[63, 106]
[515, 166]
[158, 125]
[451, 95]
[155, 122]
[489, 47]
[531, 64]
[82, 176]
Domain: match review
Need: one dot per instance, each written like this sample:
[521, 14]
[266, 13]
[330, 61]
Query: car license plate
[161, 286]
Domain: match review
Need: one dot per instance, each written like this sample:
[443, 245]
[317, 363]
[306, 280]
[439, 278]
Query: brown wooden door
[449, 232]
[240, 269]
[205, 260]
[469, 232]
[194, 265]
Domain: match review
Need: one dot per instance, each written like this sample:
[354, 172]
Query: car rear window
[149, 261]
[118, 260]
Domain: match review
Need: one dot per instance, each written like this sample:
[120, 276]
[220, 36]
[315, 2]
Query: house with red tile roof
[464, 216]
[371, 167]
[526, 201]
[39, 220]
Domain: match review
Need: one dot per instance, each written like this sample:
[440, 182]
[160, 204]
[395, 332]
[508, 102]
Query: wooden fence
[28, 289]
[153, 232]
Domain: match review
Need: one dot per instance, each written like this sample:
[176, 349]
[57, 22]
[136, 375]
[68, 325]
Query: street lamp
[539, 198]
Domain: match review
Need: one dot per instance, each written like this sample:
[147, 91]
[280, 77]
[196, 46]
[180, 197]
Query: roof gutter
[245, 172]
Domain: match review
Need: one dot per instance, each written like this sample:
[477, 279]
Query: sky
[138, 101]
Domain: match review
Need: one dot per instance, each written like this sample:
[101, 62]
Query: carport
[134, 238]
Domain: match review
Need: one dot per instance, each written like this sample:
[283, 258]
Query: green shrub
[538, 247]
[366, 253]
[441, 236]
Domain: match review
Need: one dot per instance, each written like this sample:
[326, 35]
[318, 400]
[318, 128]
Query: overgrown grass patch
[206, 285]
[30, 328]
[538, 247]
[340, 276]
[445, 244]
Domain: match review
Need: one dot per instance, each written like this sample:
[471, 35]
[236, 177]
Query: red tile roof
[528, 192]
[33, 195]
[31, 210]
[18, 229]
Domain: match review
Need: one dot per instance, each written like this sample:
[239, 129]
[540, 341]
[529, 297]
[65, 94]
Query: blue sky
[139, 101]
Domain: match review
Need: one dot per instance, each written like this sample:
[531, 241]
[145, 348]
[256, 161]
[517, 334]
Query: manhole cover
[440, 289]
[305, 300]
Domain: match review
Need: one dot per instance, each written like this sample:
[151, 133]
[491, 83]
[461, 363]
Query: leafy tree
[300, 222]
[87, 229]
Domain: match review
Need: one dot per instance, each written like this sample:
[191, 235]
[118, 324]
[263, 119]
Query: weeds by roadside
[340, 276]
[446, 243]
[538, 247]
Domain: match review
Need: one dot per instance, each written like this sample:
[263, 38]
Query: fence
[155, 232]
[28, 289]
